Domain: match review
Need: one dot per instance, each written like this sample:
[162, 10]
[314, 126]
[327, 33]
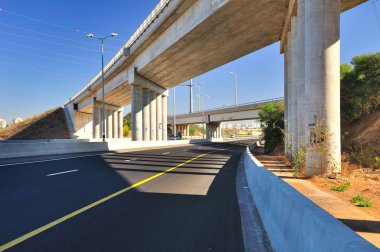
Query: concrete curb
[293, 222]
[53, 147]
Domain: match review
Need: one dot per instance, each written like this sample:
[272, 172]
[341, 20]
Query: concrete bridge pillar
[164, 117]
[136, 112]
[115, 124]
[300, 55]
[96, 120]
[159, 117]
[153, 116]
[146, 114]
[109, 122]
[212, 130]
[322, 78]
[293, 86]
[121, 124]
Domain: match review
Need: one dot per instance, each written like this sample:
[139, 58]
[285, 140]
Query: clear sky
[45, 57]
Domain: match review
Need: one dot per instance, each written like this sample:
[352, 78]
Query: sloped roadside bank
[293, 222]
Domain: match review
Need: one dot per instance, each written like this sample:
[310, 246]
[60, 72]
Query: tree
[360, 87]
[128, 120]
[126, 130]
[272, 123]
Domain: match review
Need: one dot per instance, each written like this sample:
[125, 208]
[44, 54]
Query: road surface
[172, 199]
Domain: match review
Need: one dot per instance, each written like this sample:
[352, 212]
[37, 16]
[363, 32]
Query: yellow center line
[92, 205]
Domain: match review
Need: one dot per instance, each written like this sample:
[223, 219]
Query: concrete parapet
[293, 222]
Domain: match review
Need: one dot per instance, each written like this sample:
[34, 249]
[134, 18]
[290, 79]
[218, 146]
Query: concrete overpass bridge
[182, 39]
[214, 117]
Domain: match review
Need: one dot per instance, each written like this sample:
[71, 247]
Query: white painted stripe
[166, 153]
[58, 173]
[133, 159]
[49, 160]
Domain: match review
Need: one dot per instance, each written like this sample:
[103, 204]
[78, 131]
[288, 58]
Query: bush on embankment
[272, 122]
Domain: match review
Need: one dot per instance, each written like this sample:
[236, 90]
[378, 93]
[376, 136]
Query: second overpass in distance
[214, 117]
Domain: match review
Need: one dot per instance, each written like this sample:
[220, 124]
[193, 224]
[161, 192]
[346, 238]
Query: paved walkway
[362, 223]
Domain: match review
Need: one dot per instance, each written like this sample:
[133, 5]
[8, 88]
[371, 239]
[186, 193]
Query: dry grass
[48, 125]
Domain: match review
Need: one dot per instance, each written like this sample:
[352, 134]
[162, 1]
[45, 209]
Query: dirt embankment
[48, 125]
[362, 132]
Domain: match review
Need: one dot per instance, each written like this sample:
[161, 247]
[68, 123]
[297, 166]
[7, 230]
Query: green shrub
[299, 162]
[272, 121]
[364, 204]
[341, 188]
[126, 130]
[357, 199]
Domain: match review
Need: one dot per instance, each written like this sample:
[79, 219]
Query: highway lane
[191, 208]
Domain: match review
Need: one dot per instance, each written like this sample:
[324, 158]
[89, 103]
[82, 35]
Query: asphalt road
[137, 203]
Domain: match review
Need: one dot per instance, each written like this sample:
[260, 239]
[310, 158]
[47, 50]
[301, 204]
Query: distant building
[3, 123]
[17, 120]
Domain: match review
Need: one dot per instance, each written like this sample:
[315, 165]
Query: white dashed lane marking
[59, 173]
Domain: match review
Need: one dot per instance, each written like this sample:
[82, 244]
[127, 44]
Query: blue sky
[44, 60]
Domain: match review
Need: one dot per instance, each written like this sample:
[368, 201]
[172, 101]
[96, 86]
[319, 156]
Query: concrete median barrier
[13, 149]
[293, 222]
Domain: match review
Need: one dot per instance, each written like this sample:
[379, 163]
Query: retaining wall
[293, 222]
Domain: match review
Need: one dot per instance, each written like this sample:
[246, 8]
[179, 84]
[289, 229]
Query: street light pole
[203, 116]
[234, 74]
[174, 126]
[191, 96]
[103, 105]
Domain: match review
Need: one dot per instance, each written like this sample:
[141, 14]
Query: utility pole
[191, 96]
[235, 78]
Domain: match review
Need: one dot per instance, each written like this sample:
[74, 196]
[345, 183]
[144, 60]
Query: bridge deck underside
[236, 29]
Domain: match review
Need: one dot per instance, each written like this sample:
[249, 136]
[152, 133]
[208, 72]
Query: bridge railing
[233, 106]
[142, 28]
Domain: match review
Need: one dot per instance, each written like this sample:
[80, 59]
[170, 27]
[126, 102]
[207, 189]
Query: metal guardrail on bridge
[233, 106]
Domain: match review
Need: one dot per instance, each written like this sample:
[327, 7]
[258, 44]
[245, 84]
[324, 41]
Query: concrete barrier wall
[293, 222]
[12, 149]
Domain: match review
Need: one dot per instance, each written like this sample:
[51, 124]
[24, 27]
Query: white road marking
[49, 160]
[133, 159]
[166, 153]
[185, 150]
[58, 173]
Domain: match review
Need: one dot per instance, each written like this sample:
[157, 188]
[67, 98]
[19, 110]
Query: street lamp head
[114, 34]
[90, 35]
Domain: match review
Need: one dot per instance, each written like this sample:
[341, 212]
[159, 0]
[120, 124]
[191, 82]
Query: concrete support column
[96, 120]
[322, 78]
[293, 85]
[164, 118]
[146, 114]
[136, 112]
[109, 124]
[115, 124]
[159, 116]
[288, 111]
[300, 54]
[153, 116]
[121, 124]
